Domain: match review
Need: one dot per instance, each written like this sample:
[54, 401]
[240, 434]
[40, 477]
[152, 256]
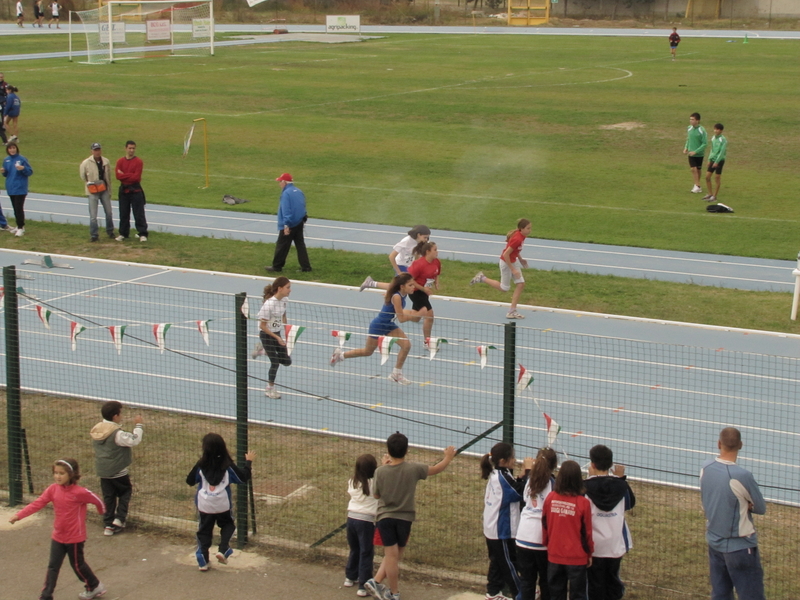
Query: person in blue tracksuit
[16, 169]
[292, 218]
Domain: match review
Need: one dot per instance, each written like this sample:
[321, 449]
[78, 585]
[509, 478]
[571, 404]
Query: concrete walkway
[663, 265]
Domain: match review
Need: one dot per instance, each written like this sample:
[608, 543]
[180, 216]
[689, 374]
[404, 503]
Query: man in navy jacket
[291, 221]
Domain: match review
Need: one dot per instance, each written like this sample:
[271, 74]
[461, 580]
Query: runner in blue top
[384, 325]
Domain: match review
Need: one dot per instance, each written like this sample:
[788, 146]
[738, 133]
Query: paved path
[682, 267]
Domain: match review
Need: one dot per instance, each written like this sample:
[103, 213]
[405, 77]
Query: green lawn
[465, 132]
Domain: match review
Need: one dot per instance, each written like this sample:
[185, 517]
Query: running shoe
[513, 314]
[369, 282]
[375, 589]
[697, 190]
[400, 378]
[479, 278]
[348, 582]
[272, 392]
[95, 593]
[258, 351]
[338, 356]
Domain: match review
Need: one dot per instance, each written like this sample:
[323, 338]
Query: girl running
[16, 169]
[402, 255]
[384, 325]
[271, 319]
[213, 474]
[567, 527]
[531, 551]
[511, 264]
[500, 518]
[69, 527]
[361, 512]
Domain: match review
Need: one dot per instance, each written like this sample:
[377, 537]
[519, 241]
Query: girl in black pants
[271, 319]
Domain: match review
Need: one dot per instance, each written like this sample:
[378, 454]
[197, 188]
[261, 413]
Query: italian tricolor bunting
[202, 327]
[75, 329]
[292, 333]
[385, 344]
[524, 379]
[159, 332]
[432, 344]
[483, 352]
[342, 336]
[552, 430]
[117, 333]
[44, 315]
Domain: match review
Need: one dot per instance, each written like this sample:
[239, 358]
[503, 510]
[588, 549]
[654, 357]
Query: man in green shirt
[695, 148]
[716, 160]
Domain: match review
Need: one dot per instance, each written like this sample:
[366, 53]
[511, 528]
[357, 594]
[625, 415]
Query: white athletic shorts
[506, 277]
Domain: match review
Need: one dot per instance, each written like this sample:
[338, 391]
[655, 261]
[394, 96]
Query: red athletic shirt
[567, 529]
[69, 506]
[131, 169]
[422, 270]
[515, 242]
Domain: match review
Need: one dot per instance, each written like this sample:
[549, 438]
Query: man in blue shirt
[730, 497]
[291, 221]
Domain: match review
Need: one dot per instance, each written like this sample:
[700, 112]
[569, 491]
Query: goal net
[122, 30]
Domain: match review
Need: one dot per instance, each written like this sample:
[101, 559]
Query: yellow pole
[205, 147]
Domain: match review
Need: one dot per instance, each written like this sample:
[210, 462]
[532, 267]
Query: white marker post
[796, 297]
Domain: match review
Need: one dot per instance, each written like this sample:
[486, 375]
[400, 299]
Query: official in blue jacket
[16, 169]
[292, 218]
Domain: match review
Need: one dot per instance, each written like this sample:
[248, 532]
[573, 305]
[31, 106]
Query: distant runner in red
[674, 40]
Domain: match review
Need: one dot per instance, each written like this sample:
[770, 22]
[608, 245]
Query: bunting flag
[292, 333]
[552, 430]
[483, 352]
[75, 329]
[524, 379]
[246, 309]
[385, 344]
[117, 333]
[44, 315]
[342, 335]
[202, 327]
[159, 332]
[2, 296]
[432, 344]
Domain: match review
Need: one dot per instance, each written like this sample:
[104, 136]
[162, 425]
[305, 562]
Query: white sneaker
[400, 378]
[119, 238]
[712, 198]
[19, 232]
[118, 524]
[271, 392]
[479, 278]
[348, 582]
[513, 314]
[707, 197]
[362, 593]
[338, 356]
[142, 238]
[258, 351]
[95, 593]
[697, 190]
[369, 282]
[8, 228]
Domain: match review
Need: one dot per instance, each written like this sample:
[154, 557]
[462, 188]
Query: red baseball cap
[284, 177]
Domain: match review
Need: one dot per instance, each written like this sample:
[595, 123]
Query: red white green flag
[552, 430]
[44, 315]
[202, 327]
[117, 333]
[342, 336]
[292, 333]
[385, 344]
[432, 344]
[524, 379]
[75, 329]
[160, 332]
[483, 352]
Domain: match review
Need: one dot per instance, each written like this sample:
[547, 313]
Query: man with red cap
[291, 221]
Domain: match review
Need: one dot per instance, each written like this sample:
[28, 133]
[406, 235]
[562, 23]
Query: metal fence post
[13, 404]
[241, 416]
[509, 370]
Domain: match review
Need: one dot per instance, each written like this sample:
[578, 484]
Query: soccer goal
[121, 30]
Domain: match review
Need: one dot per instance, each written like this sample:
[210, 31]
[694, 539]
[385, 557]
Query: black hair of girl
[542, 471]
[521, 224]
[421, 250]
[70, 465]
[272, 289]
[394, 287]
[570, 480]
[365, 470]
[490, 462]
[215, 459]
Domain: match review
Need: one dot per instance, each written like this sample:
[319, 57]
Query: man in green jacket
[716, 160]
[695, 148]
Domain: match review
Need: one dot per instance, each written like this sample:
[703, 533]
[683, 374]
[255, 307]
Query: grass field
[461, 132]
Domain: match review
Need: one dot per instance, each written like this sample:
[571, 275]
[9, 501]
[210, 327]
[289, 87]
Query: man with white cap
[291, 221]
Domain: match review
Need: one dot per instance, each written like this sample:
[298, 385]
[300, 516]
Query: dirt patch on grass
[626, 126]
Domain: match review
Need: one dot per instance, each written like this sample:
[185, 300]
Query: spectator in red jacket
[131, 194]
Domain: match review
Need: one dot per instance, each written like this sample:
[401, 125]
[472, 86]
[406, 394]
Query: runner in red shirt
[425, 271]
[511, 264]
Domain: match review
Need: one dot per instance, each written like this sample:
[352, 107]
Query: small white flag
[552, 430]
[246, 309]
[44, 315]
[117, 333]
[432, 344]
[483, 352]
[202, 327]
[524, 379]
[187, 141]
[159, 332]
[75, 329]
[292, 333]
[385, 344]
[342, 336]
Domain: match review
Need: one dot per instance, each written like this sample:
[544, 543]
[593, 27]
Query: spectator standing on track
[610, 496]
[716, 161]
[131, 195]
[95, 172]
[674, 40]
[695, 148]
[292, 218]
[395, 487]
[112, 457]
[55, 9]
[730, 496]
[16, 169]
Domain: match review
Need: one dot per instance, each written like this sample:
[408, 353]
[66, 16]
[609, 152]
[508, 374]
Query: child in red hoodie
[567, 533]
[69, 528]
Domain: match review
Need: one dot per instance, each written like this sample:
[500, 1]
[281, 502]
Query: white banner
[117, 33]
[187, 141]
[343, 24]
[252, 3]
[158, 29]
[201, 28]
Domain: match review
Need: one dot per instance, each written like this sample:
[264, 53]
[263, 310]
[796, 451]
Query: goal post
[125, 29]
